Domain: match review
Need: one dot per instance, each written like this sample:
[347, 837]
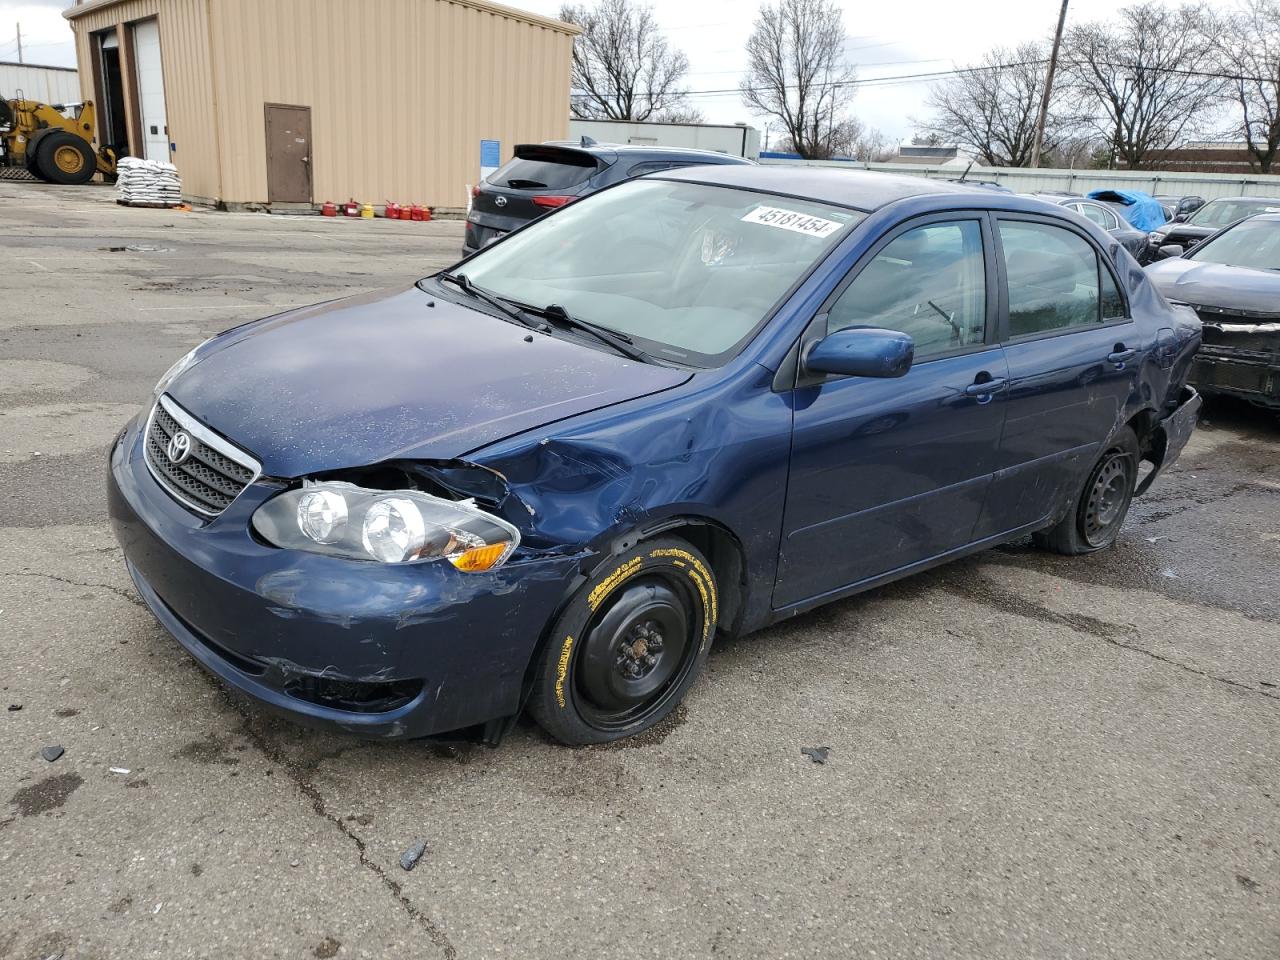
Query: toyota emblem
[179, 447]
[500, 201]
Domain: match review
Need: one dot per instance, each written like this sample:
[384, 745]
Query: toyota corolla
[690, 405]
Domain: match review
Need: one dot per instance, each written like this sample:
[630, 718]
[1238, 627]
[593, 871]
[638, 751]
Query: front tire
[65, 158]
[1098, 510]
[628, 646]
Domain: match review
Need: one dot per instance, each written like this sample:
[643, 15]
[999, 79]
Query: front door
[889, 473]
[150, 76]
[1072, 351]
[288, 154]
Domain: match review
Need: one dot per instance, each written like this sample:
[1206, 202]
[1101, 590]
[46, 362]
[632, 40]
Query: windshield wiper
[518, 184]
[462, 282]
[619, 341]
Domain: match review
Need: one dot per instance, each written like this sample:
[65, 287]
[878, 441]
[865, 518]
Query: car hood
[1181, 232]
[395, 375]
[1239, 290]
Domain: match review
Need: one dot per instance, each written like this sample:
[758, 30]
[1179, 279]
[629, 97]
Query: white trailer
[736, 139]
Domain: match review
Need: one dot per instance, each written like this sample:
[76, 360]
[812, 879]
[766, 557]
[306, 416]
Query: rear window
[1220, 213]
[548, 172]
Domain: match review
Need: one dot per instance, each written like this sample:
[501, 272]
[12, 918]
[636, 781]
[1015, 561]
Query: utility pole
[19, 42]
[1038, 143]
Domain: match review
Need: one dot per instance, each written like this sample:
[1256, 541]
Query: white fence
[1024, 180]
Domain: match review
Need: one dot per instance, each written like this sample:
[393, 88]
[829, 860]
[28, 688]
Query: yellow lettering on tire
[605, 586]
[705, 582]
[562, 669]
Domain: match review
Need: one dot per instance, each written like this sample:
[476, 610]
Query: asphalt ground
[1030, 756]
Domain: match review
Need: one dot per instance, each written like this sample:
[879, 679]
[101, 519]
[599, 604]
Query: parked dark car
[1232, 280]
[691, 404]
[1131, 238]
[1174, 239]
[1175, 206]
[543, 176]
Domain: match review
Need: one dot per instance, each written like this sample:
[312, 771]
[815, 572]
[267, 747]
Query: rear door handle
[986, 388]
[1122, 355]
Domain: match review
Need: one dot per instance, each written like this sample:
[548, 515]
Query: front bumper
[1252, 375]
[373, 649]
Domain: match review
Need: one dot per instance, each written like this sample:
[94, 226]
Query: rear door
[1072, 349]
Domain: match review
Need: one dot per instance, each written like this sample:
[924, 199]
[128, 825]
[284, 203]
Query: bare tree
[796, 72]
[1142, 76]
[623, 68]
[853, 138]
[1249, 49]
[990, 108]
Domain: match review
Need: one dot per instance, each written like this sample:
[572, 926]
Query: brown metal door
[288, 154]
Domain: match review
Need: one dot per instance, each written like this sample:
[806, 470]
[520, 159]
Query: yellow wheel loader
[53, 141]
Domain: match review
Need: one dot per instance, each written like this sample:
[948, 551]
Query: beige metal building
[300, 101]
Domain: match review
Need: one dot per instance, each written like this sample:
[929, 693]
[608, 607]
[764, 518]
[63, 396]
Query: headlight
[390, 526]
[185, 361]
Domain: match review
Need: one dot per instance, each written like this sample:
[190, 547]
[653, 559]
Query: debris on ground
[295, 863]
[816, 754]
[120, 770]
[52, 752]
[409, 859]
[156, 908]
[15, 707]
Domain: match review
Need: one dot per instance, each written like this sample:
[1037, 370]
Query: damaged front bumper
[1240, 360]
[380, 650]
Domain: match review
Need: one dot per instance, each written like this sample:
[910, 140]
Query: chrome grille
[213, 473]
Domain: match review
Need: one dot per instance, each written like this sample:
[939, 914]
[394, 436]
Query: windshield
[1221, 213]
[1254, 244]
[687, 271]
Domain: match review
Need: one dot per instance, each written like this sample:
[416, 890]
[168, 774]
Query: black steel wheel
[1095, 515]
[628, 646]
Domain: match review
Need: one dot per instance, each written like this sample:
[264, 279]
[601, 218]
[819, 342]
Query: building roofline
[485, 6]
[36, 66]
[664, 123]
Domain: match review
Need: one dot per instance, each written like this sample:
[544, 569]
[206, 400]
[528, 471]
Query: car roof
[648, 151]
[1275, 200]
[859, 189]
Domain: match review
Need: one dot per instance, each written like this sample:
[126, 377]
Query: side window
[1097, 214]
[1053, 278]
[929, 282]
[1112, 221]
[1112, 302]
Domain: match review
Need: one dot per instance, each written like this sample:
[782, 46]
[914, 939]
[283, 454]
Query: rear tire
[65, 158]
[628, 646]
[1098, 510]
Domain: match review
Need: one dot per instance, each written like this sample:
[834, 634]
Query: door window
[1099, 215]
[1053, 277]
[929, 282]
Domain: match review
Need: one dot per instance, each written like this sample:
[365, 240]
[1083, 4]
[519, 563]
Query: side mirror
[1180, 217]
[862, 352]
[1170, 250]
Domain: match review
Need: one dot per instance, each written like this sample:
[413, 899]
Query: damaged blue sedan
[690, 405]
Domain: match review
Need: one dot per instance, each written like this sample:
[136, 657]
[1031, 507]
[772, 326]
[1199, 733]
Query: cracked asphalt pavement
[1030, 755]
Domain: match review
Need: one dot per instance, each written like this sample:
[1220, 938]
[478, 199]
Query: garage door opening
[113, 130]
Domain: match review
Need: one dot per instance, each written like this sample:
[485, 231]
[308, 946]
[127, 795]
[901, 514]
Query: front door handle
[1121, 354]
[985, 388]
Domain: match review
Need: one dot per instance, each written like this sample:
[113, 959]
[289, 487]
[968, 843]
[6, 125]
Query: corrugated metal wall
[46, 84]
[1023, 180]
[188, 79]
[401, 91]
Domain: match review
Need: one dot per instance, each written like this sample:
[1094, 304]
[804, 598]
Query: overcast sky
[885, 39]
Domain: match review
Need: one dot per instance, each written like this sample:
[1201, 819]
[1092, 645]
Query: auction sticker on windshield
[791, 220]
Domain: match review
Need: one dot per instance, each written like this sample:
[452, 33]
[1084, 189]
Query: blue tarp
[1140, 209]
